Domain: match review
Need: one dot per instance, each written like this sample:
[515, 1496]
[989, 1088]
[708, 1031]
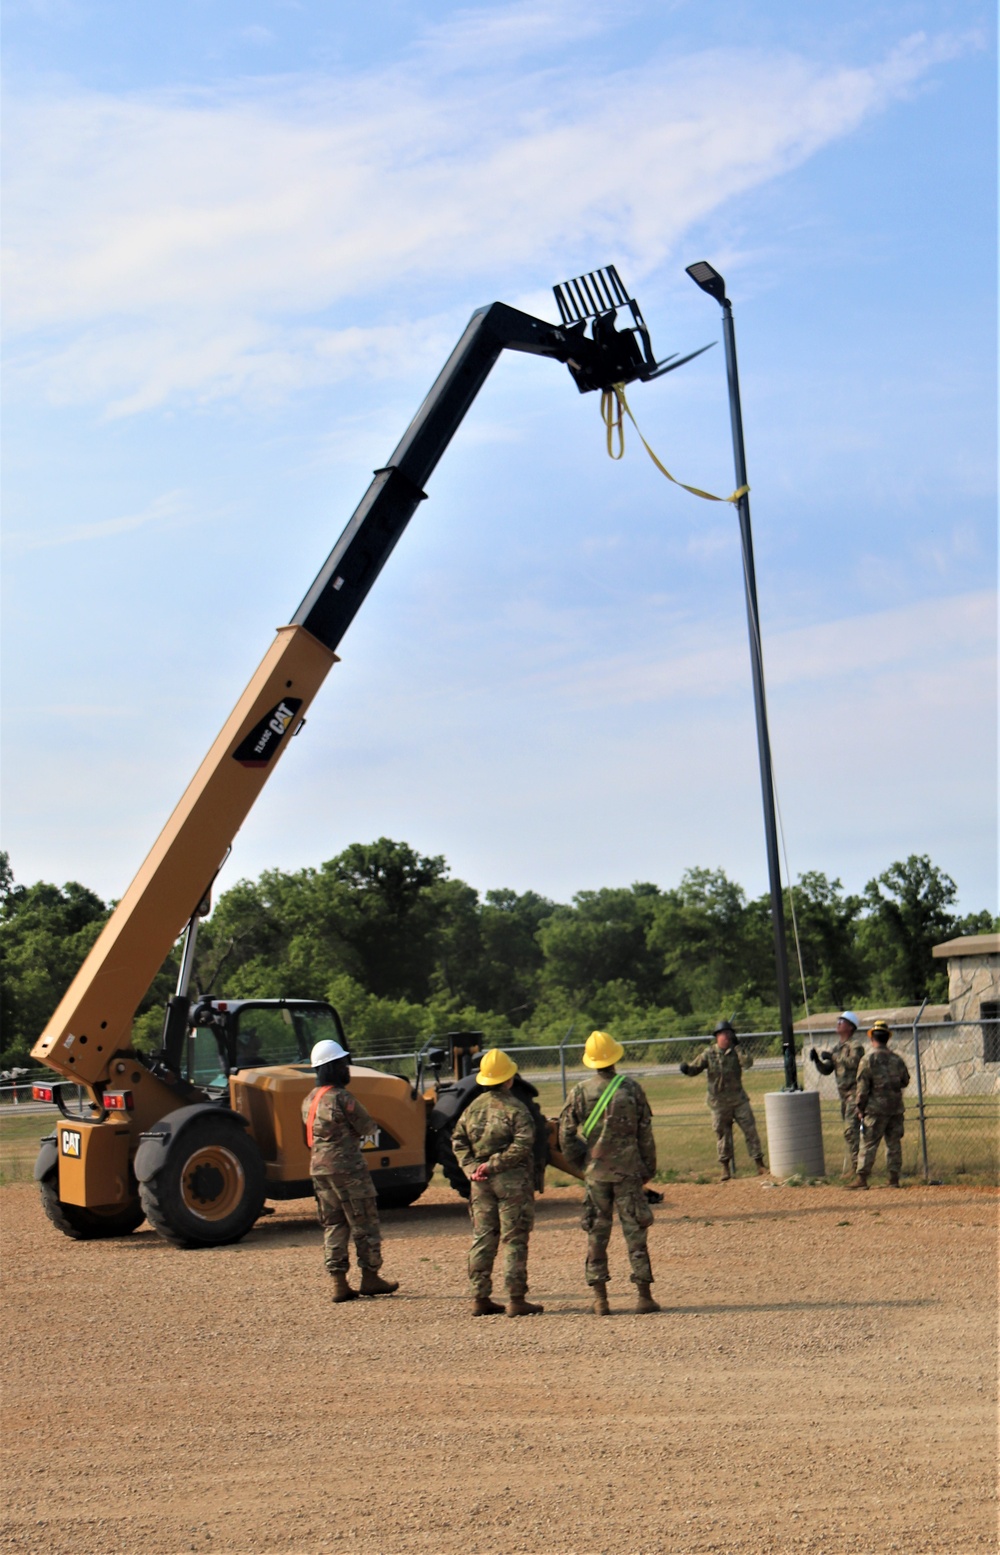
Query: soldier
[607, 1125]
[728, 1101]
[335, 1124]
[494, 1143]
[882, 1079]
[844, 1063]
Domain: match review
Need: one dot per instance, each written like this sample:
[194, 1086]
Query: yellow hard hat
[495, 1067]
[601, 1051]
[880, 1029]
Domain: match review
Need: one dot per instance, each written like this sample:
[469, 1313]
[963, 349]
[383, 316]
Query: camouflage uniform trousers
[635, 1217]
[890, 1127]
[346, 1208]
[502, 1210]
[724, 1115]
[852, 1128]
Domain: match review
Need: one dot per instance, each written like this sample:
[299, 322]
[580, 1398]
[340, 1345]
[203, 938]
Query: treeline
[405, 951]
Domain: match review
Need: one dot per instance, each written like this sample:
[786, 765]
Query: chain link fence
[952, 1102]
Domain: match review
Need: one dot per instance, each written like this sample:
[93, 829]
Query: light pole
[711, 282]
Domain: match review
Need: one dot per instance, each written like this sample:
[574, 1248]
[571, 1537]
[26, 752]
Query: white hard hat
[327, 1052]
[850, 1015]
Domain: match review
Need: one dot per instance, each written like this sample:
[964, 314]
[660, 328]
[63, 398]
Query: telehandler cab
[198, 1137]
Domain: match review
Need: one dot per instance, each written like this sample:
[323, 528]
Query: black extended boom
[596, 360]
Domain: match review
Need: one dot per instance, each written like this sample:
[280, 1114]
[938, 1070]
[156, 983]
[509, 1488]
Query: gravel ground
[822, 1380]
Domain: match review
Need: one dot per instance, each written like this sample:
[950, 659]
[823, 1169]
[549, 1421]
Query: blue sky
[241, 240]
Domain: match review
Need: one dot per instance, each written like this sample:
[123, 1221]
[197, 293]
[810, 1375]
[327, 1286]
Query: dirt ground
[822, 1379]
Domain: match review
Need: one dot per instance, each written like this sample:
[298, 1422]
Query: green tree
[45, 932]
[827, 922]
[713, 946]
[909, 911]
[602, 939]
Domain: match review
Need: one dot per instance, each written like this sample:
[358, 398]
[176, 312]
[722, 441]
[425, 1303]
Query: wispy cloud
[164, 507]
[922, 639]
[203, 244]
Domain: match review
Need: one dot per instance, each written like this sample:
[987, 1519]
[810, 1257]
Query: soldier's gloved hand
[685, 1068]
[814, 1055]
[734, 1040]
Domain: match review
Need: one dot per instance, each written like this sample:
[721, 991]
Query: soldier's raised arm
[700, 1063]
[521, 1150]
[824, 1060]
[745, 1057]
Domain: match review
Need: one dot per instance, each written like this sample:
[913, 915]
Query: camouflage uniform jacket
[724, 1066]
[844, 1064]
[340, 1124]
[882, 1078]
[496, 1130]
[621, 1144]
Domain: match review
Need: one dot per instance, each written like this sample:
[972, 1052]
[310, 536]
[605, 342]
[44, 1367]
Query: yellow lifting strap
[614, 408]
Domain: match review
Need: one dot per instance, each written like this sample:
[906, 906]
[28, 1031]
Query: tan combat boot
[726, 1172]
[762, 1170]
[860, 1181]
[518, 1307]
[372, 1284]
[482, 1306]
[645, 1303]
[600, 1290]
[341, 1290]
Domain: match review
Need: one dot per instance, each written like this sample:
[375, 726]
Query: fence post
[920, 1091]
[562, 1057]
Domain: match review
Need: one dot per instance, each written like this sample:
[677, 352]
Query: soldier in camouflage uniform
[724, 1063]
[606, 1126]
[882, 1079]
[844, 1064]
[494, 1144]
[336, 1123]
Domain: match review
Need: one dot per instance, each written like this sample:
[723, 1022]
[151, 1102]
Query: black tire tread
[81, 1224]
[156, 1193]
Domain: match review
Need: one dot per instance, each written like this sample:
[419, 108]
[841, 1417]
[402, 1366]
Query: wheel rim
[212, 1183]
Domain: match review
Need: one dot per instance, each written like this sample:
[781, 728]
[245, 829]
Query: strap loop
[614, 408]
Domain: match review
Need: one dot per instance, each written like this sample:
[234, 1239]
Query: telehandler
[197, 1137]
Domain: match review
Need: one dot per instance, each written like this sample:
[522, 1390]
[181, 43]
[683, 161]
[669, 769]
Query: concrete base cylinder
[794, 1133]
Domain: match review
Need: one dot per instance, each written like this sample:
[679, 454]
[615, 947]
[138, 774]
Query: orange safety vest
[312, 1112]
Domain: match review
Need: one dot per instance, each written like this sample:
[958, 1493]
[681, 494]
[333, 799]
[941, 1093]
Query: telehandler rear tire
[85, 1225]
[446, 1159]
[211, 1188]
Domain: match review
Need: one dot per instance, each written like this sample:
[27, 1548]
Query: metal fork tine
[616, 282]
[579, 299]
[595, 307]
[601, 288]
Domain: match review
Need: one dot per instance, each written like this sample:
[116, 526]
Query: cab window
[266, 1036]
[204, 1065]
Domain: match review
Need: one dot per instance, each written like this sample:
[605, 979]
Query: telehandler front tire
[85, 1225]
[211, 1188]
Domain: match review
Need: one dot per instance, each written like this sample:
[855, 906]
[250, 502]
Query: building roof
[897, 1016]
[969, 945]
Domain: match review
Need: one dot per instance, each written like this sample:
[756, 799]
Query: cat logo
[71, 1142]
